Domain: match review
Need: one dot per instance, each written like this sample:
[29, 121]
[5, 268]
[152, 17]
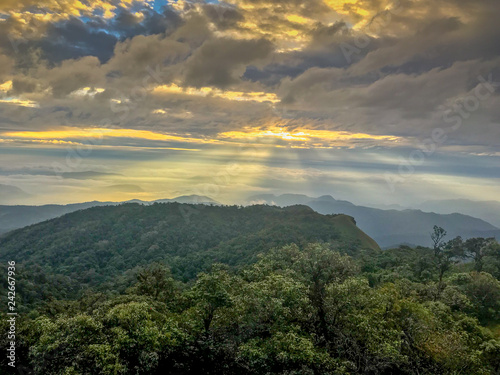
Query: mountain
[14, 217]
[390, 227]
[192, 199]
[486, 210]
[285, 199]
[12, 193]
[101, 246]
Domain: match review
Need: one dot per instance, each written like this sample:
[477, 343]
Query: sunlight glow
[87, 91]
[75, 133]
[20, 102]
[210, 91]
[319, 137]
[298, 19]
[297, 138]
[6, 86]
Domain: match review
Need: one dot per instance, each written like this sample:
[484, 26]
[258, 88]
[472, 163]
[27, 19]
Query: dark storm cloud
[127, 24]
[435, 43]
[55, 42]
[328, 48]
[439, 43]
[74, 39]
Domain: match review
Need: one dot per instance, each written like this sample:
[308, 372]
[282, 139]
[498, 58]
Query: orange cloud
[210, 91]
[306, 138]
[76, 133]
[272, 136]
[63, 8]
[304, 134]
[20, 102]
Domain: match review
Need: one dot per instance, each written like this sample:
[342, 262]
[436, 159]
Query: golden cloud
[308, 138]
[273, 136]
[6, 86]
[287, 24]
[64, 8]
[213, 92]
[77, 133]
[20, 102]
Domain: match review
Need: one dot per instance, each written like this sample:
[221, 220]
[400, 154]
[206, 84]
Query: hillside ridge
[101, 246]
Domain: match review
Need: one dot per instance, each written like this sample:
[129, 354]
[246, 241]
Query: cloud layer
[385, 77]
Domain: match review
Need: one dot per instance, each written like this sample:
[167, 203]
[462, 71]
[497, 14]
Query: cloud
[133, 58]
[71, 7]
[144, 22]
[72, 39]
[124, 188]
[97, 134]
[353, 74]
[221, 62]
[72, 75]
[7, 64]
[87, 175]
[224, 17]
[307, 138]
[400, 104]
[56, 36]
[285, 22]
[207, 91]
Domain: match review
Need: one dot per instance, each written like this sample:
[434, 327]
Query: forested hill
[99, 303]
[101, 246]
[15, 217]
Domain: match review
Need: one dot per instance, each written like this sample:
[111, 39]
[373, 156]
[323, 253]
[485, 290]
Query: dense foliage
[297, 310]
[305, 308]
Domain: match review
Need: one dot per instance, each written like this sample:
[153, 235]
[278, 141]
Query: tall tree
[211, 292]
[477, 249]
[321, 266]
[443, 255]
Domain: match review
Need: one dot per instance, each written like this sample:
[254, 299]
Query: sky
[379, 102]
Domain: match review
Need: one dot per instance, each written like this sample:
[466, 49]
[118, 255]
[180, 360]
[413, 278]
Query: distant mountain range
[14, 217]
[10, 193]
[486, 210]
[390, 227]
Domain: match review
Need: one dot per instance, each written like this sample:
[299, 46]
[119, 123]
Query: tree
[437, 239]
[477, 249]
[211, 293]
[492, 260]
[484, 292]
[157, 281]
[444, 255]
[322, 266]
[316, 265]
